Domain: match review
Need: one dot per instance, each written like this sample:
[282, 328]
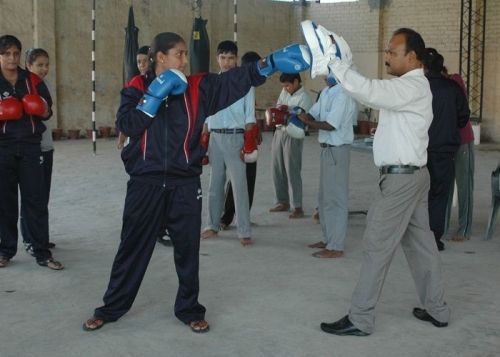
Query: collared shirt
[298, 99]
[405, 105]
[237, 115]
[339, 110]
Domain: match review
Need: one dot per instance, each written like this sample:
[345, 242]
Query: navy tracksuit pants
[47, 159]
[149, 205]
[441, 167]
[20, 167]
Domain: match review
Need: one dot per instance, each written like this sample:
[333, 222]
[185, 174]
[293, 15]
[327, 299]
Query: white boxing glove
[325, 46]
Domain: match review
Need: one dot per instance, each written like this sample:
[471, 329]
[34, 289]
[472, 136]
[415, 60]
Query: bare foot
[316, 217]
[325, 253]
[297, 213]
[318, 245]
[246, 242]
[280, 207]
[458, 238]
[209, 233]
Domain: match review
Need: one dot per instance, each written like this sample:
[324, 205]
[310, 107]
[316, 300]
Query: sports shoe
[28, 247]
[164, 239]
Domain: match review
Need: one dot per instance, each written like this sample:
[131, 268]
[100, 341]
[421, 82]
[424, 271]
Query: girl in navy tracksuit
[37, 62]
[20, 154]
[163, 160]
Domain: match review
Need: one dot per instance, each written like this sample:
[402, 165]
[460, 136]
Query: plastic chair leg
[493, 218]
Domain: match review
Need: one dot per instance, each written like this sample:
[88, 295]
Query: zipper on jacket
[31, 116]
[188, 133]
[164, 123]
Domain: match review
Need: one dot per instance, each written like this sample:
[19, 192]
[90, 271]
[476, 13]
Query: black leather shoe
[342, 327]
[423, 315]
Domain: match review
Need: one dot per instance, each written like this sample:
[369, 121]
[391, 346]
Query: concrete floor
[266, 300]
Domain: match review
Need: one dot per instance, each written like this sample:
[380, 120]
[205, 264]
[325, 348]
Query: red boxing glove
[276, 116]
[35, 105]
[282, 107]
[204, 141]
[249, 152]
[10, 109]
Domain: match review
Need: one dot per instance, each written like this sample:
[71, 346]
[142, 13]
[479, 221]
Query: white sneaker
[325, 46]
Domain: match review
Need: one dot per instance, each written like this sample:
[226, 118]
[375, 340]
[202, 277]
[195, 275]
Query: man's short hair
[227, 47]
[414, 42]
[290, 77]
[7, 41]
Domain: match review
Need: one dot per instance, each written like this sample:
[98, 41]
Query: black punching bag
[199, 48]
[131, 47]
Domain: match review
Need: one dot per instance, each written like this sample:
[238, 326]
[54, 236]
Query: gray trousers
[224, 153]
[286, 156]
[464, 177]
[334, 194]
[399, 214]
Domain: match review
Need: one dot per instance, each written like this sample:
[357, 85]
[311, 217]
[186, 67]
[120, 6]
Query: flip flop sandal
[51, 264]
[4, 262]
[93, 321]
[199, 326]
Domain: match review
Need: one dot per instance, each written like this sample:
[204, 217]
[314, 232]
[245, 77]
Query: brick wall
[263, 26]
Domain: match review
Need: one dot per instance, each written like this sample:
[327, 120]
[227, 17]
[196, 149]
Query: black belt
[228, 131]
[323, 145]
[399, 169]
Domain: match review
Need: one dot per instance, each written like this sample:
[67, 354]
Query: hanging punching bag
[130, 49]
[199, 47]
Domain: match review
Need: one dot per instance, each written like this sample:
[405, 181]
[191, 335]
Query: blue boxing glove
[291, 59]
[170, 82]
[296, 128]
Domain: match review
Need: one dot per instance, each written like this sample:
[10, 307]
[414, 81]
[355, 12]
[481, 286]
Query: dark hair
[144, 50]
[227, 47]
[7, 41]
[250, 57]
[290, 77]
[414, 42]
[33, 53]
[433, 61]
[163, 42]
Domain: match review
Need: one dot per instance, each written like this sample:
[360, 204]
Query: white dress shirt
[338, 109]
[405, 105]
[237, 115]
[298, 99]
